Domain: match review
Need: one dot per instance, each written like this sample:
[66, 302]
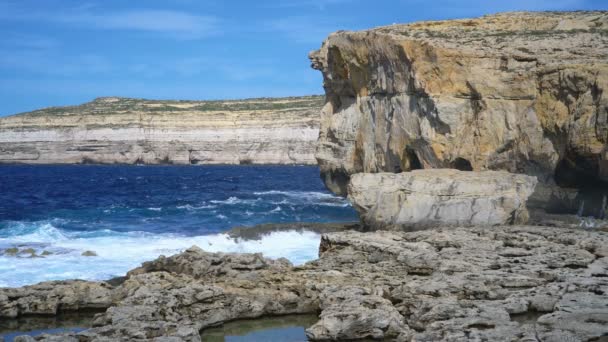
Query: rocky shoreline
[494, 283]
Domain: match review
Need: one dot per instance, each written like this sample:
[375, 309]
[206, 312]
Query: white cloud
[174, 24]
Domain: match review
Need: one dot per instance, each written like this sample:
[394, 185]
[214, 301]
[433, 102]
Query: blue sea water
[130, 214]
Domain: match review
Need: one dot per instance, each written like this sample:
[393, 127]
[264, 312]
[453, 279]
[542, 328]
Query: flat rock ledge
[440, 197]
[506, 283]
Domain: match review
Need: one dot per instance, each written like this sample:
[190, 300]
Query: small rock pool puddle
[281, 328]
[38, 325]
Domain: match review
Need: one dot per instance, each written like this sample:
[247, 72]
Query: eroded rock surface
[448, 284]
[521, 92]
[135, 131]
[435, 197]
[49, 298]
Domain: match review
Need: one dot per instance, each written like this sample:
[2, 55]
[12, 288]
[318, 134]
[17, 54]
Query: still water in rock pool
[37, 325]
[51, 215]
[282, 328]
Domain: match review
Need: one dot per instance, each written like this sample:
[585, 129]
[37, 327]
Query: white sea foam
[193, 208]
[235, 200]
[230, 200]
[120, 252]
[343, 204]
[319, 198]
[39, 232]
[297, 194]
[289, 197]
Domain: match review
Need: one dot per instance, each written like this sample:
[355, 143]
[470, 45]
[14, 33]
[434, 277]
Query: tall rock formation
[521, 92]
[129, 131]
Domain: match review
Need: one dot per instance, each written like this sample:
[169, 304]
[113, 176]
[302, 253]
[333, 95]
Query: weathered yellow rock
[521, 92]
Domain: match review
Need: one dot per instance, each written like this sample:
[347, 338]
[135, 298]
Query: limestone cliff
[122, 130]
[521, 92]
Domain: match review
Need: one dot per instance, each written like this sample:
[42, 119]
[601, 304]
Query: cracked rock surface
[515, 283]
[440, 197]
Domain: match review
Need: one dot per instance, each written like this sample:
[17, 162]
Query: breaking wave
[118, 252]
[128, 215]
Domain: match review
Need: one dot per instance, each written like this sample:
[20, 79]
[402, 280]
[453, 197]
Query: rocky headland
[452, 129]
[519, 92]
[115, 130]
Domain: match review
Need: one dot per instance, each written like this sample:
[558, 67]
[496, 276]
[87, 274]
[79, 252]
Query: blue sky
[60, 52]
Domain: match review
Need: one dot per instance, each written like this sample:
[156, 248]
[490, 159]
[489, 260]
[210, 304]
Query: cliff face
[521, 92]
[121, 130]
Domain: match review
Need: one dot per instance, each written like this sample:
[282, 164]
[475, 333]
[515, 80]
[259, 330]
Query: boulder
[440, 197]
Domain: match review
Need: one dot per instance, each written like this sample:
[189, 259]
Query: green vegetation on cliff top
[110, 105]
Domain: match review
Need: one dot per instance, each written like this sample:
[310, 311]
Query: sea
[126, 215]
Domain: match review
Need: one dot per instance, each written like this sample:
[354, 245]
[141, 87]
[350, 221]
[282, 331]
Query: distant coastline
[115, 130]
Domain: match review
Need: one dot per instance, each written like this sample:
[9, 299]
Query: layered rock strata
[457, 284]
[440, 197]
[521, 92]
[131, 131]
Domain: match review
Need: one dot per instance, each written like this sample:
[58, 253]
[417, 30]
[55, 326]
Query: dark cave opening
[577, 172]
[461, 164]
[583, 174]
[414, 161]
